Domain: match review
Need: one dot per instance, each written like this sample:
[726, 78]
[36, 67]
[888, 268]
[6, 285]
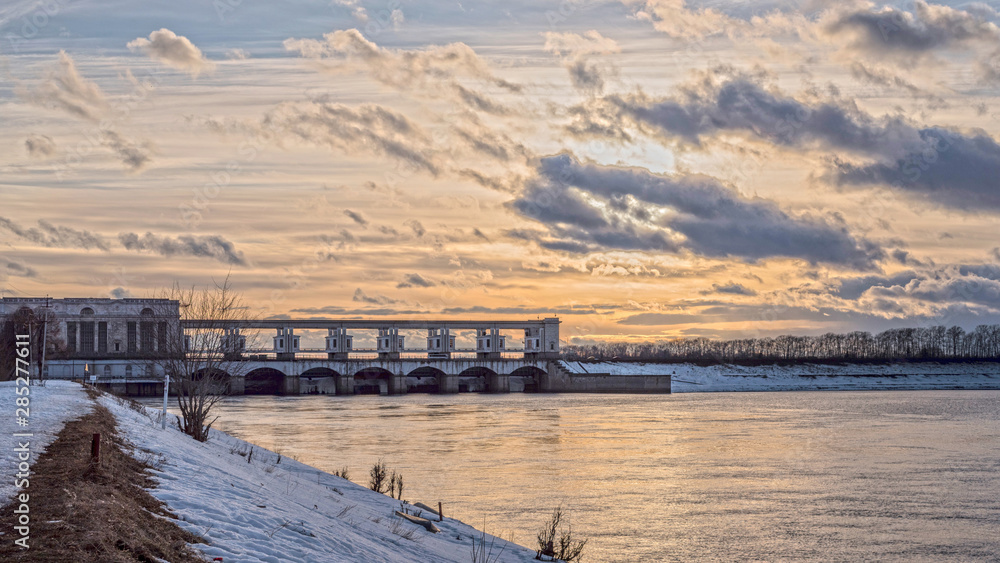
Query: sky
[644, 170]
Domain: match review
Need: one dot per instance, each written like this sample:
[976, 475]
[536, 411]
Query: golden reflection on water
[726, 476]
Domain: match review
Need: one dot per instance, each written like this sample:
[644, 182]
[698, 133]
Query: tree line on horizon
[936, 343]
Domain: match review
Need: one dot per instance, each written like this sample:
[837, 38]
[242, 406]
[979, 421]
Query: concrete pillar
[338, 344]
[448, 383]
[498, 383]
[290, 385]
[397, 384]
[345, 384]
[284, 344]
[237, 385]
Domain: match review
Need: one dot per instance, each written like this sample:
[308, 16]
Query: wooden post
[95, 449]
[440, 513]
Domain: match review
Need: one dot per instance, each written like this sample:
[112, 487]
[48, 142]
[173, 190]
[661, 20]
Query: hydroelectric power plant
[121, 344]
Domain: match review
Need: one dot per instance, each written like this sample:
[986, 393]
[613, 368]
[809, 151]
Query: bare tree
[201, 358]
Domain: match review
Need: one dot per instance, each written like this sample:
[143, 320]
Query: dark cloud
[206, 246]
[669, 213]
[740, 103]
[853, 288]
[731, 288]
[120, 293]
[542, 312]
[890, 31]
[935, 163]
[16, 268]
[959, 171]
[357, 217]
[414, 280]
[55, 236]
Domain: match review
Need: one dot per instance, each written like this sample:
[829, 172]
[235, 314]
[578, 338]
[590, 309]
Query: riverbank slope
[243, 502]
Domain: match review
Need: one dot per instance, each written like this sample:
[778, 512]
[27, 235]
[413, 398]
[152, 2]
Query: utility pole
[45, 330]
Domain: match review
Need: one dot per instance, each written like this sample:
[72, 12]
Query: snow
[50, 407]
[267, 511]
[689, 378]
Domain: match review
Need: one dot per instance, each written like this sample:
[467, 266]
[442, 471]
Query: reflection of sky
[291, 162]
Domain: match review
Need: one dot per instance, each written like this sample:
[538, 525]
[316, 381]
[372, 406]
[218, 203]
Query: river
[890, 475]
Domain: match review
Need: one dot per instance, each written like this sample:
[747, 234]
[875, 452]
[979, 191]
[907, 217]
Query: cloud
[880, 77]
[69, 91]
[361, 296]
[173, 50]
[401, 69]
[936, 163]
[587, 207]
[55, 236]
[576, 52]
[732, 288]
[956, 170]
[40, 146]
[17, 268]
[206, 246]
[414, 280]
[416, 227]
[120, 293]
[740, 103]
[357, 217]
[131, 154]
[854, 288]
[891, 32]
[365, 129]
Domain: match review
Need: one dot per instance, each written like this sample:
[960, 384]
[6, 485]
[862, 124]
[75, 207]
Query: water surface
[901, 475]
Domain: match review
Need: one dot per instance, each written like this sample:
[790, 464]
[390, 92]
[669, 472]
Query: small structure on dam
[121, 344]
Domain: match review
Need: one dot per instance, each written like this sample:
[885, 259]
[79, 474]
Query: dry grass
[83, 512]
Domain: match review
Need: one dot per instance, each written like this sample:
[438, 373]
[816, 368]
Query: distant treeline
[936, 343]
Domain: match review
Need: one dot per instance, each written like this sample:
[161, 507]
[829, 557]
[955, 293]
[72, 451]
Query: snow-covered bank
[253, 508]
[688, 378]
[49, 408]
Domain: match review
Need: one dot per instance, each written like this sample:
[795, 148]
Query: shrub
[557, 541]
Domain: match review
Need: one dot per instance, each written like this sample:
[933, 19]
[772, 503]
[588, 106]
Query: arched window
[107, 371]
[128, 371]
[86, 312]
[147, 312]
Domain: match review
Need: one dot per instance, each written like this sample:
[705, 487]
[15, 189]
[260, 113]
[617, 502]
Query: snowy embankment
[49, 408]
[688, 378]
[255, 508]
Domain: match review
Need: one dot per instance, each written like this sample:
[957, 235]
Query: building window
[128, 371]
[86, 312]
[87, 338]
[71, 337]
[132, 342]
[102, 337]
[161, 337]
[147, 335]
[107, 371]
[118, 346]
